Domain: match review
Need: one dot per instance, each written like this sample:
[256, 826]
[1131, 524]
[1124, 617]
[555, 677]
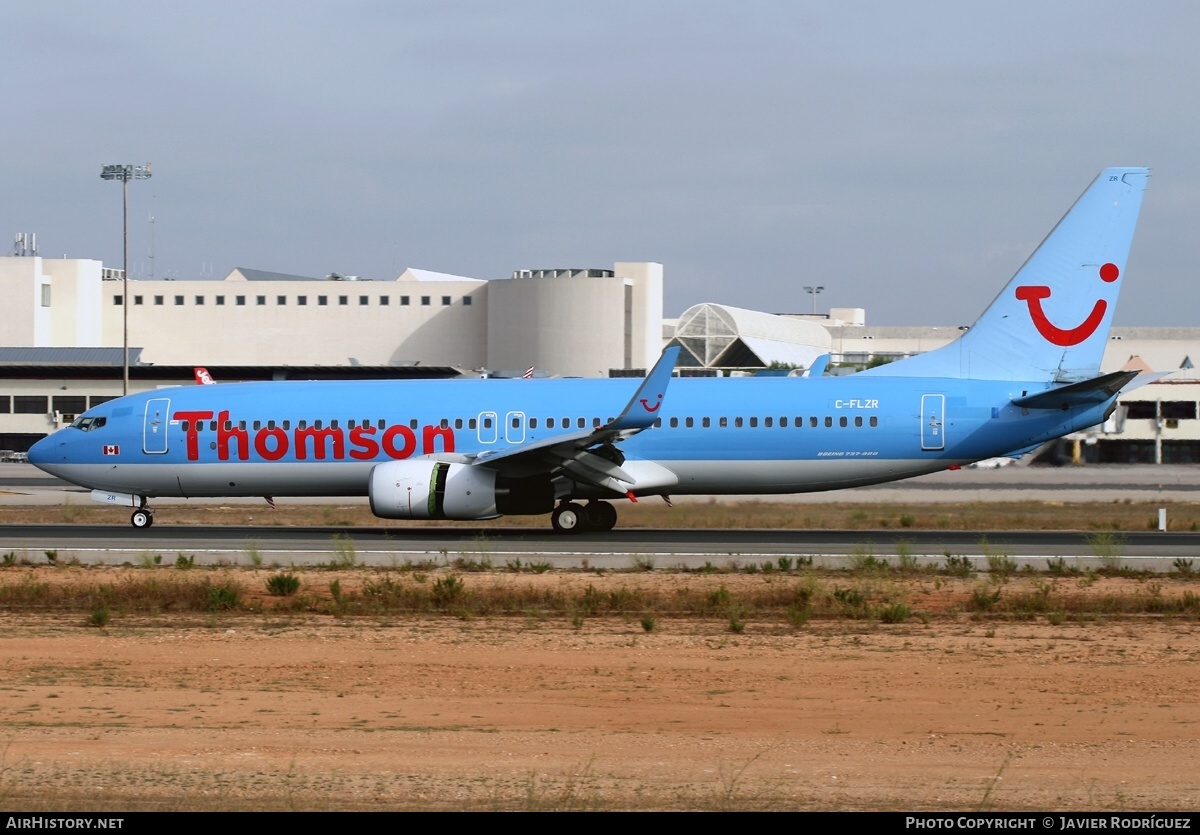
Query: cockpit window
[86, 423]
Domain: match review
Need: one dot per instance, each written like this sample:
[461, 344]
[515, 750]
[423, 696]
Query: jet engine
[425, 489]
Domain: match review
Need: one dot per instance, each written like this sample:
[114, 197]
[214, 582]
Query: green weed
[283, 584]
[345, 555]
[254, 552]
[447, 590]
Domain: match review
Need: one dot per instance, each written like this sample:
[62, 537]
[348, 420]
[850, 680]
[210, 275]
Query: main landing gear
[570, 517]
[143, 517]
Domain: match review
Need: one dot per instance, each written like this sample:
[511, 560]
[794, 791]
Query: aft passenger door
[933, 422]
[154, 425]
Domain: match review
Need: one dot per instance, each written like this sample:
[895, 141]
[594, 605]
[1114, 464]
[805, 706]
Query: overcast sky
[907, 156]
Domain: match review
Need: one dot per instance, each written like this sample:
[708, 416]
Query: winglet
[818, 367]
[642, 409]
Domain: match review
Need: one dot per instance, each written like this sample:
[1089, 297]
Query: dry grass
[779, 599]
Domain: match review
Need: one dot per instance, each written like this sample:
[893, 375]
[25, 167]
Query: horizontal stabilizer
[1095, 390]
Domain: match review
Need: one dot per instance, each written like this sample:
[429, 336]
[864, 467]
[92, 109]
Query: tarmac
[24, 484]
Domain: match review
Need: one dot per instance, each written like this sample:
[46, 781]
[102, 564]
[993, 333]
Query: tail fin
[1051, 322]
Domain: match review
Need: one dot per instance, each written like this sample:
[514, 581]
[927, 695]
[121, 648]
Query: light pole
[125, 173]
[812, 291]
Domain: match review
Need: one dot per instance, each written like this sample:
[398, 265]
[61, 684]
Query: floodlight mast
[813, 291]
[125, 173]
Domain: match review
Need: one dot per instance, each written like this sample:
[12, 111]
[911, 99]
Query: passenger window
[287, 424]
[858, 420]
[516, 423]
[874, 420]
[472, 423]
[658, 423]
[549, 423]
[812, 421]
[842, 421]
[532, 423]
[487, 423]
[581, 423]
[412, 424]
[596, 423]
[828, 421]
[675, 423]
[705, 422]
[689, 422]
[458, 424]
[302, 424]
[316, 424]
[444, 423]
[723, 422]
[737, 423]
[270, 424]
[753, 423]
[212, 426]
[783, 421]
[257, 425]
[767, 422]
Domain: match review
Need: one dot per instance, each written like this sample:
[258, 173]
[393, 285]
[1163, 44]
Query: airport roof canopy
[68, 356]
[717, 336]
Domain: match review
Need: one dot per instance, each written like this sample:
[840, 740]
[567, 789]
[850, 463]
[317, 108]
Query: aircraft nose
[42, 452]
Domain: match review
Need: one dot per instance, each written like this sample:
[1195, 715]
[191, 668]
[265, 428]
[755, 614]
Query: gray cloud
[907, 158]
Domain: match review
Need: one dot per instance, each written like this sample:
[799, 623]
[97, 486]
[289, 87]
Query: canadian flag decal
[111, 449]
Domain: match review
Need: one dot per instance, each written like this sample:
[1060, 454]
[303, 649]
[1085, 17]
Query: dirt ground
[307, 711]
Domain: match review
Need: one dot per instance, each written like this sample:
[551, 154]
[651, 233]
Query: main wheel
[142, 519]
[568, 518]
[601, 516]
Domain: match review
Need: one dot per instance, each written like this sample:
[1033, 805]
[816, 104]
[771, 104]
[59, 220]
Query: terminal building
[61, 337]
[564, 322]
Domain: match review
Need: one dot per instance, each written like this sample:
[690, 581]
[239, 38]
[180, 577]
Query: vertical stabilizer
[1052, 320]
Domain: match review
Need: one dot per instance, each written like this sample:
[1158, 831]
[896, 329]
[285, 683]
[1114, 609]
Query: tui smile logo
[1032, 295]
[648, 407]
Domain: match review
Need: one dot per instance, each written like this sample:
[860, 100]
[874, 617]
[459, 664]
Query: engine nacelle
[424, 489]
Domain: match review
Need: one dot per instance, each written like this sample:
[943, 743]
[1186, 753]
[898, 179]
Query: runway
[616, 550]
[388, 545]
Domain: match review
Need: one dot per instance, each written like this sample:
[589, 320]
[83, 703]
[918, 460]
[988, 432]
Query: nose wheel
[143, 517]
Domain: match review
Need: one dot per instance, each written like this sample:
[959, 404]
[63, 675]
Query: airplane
[1026, 372]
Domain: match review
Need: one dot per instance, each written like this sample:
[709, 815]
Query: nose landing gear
[143, 517]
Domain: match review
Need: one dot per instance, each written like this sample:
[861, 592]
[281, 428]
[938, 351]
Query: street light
[813, 291]
[125, 173]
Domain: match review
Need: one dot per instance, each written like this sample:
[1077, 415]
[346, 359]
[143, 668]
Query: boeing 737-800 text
[1026, 372]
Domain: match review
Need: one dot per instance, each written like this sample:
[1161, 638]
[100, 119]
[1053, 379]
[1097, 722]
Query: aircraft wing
[590, 455]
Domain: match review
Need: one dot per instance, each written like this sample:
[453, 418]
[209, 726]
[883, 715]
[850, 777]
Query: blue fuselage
[750, 435]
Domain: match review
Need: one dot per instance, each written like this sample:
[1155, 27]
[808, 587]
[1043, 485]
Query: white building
[561, 322]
